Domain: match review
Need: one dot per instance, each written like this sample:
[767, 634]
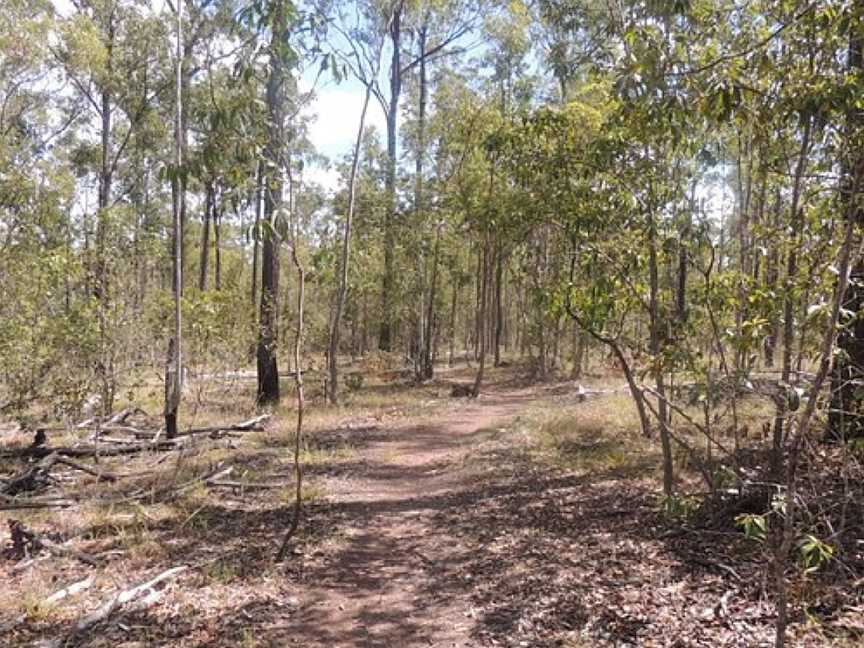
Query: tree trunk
[453, 300]
[335, 320]
[174, 363]
[655, 348]
[499, 312]
[218, 212]
[205, 239]
[789, 301]
[256, 232]
[772, 277]
[484, 285]
[298, 378]
[268, 374]
[846, 420]
[385, 341]
[428, 351]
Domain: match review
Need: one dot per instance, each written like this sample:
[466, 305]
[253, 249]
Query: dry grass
[600, 435]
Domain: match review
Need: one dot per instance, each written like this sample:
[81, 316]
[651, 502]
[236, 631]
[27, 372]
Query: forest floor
[527, 517]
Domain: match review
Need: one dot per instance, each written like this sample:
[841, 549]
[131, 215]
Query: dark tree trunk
[655, 346]
[428, 351]
[218, 212]
[453, 300]
[256, 233]
[772, 277]
[205, 239]
[499, 312]
[385, 342]
[268, 374]
[481, 316]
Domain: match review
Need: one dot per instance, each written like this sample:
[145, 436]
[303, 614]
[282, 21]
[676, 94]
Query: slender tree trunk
[336, 318]
[477, 297]
[453, 300]
[789, 299]
[499, 312]
[428, 351]
[256, 232]
[205, 239]
[655, 348]
[218, 212]
[174, 368]
[298, 377]
[772, 277]
[385, 341]
[482, 329]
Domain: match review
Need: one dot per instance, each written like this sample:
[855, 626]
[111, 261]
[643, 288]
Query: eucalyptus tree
[282, 58]
[174, 363]
[364, 61]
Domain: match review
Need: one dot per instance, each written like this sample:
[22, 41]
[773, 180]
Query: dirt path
[392, 584]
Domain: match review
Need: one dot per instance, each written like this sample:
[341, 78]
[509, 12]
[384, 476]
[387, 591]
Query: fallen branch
[114, 603]
[119, 417]
[245, 426]
[101, 476]
[173, 491]
[89, 450]
[241, 486]
[13, 504]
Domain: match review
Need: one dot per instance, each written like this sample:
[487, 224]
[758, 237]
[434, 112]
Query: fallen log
[88, 450]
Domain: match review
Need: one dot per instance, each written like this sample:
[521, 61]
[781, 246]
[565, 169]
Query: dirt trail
[392, 583]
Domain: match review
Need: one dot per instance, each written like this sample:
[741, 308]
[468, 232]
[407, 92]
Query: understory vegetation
[579, 287]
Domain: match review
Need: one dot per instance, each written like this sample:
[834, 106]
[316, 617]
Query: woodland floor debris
[457, 524]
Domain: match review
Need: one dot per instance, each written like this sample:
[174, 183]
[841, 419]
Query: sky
[336, 110]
